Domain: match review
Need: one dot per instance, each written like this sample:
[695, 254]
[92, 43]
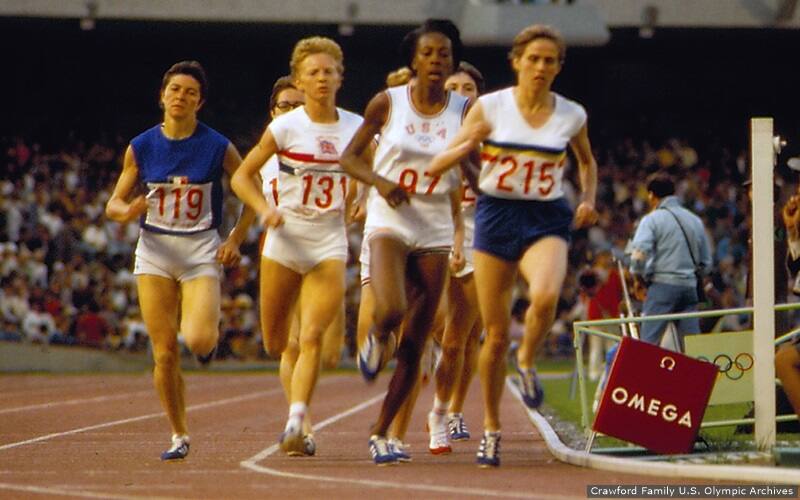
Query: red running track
[100, 436]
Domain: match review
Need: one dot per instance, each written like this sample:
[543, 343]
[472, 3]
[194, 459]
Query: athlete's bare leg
[158, 300]
[494, 282]
[544, 267]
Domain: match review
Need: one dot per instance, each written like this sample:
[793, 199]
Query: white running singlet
[269, 180]
[310, 181]
[410, 139]
[522, 162]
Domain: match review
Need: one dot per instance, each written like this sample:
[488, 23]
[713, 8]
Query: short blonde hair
[531, 33]
[315, 45]
[400, 76]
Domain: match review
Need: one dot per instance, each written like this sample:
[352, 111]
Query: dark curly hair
[408, 47]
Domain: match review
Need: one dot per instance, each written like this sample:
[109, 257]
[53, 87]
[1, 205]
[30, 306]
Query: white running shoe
[439, 433]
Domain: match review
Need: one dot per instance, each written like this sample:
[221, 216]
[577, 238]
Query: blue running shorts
[506, 228]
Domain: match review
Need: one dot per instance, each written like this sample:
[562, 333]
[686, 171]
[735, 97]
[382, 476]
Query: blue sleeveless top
[194, 161]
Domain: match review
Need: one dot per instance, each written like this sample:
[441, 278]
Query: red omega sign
[654, 397]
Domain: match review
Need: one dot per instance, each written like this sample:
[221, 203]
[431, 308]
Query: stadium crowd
[65, 271]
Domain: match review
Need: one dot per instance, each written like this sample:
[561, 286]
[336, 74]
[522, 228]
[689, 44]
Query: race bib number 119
[179, 207]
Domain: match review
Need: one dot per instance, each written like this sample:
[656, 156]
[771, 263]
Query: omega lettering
[654, 407]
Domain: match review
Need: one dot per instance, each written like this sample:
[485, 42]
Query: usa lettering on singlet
[182, 178]
[522, 162]
[310, 182]
[410, 139]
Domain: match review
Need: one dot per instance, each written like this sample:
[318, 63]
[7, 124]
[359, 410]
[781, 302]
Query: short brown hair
[315, 45]
[191, 68]
[533, 32]
[474, 73]
[281, 84]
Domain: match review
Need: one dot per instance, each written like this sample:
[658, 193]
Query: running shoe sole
[370, 372]
[293, 444]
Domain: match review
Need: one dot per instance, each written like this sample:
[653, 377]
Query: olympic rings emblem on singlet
[734, 368]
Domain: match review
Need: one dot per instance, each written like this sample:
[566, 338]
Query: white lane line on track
[72, 493]
[252, 464]
[211, 404]
[98, 399]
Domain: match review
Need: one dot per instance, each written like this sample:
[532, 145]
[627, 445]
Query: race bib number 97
[179, 207]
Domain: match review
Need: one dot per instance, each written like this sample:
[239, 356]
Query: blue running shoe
[179, 449]
[532, 391]
[398, 448]
[206, 359]
[380, 451]
[489, 451]
[457, 427]
[370, 358]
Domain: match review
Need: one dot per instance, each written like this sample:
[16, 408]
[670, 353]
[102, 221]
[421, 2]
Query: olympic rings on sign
[734, 368]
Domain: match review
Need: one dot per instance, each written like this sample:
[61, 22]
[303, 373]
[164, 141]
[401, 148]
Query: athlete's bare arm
[457, 259]
[244, 181]
[228, 253]
[119, 208]
[585, 213]
[355, 160]
[469, 137]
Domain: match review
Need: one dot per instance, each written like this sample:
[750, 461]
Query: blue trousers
[666, 299]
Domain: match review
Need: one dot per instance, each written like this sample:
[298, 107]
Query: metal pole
[762, 156]
[579, 337]
[634, 328]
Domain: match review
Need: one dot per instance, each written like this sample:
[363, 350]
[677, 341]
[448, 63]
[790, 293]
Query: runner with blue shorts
[522, 221]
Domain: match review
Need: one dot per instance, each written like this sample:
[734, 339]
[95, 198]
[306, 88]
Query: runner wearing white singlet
[460, 327]
[303, 260]
[522, 221]
[409, 223]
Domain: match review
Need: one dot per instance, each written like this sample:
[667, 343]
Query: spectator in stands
[38, 326]
[603, 303]
[14, 295]
[787, 359]
[91, 328]
[669, 246]
[8, 264]
[9, 331]
[134, 330]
